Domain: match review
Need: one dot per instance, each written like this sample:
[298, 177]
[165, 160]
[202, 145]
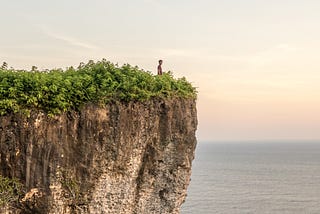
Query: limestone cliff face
[123, 158]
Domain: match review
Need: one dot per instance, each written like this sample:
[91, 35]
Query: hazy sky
[255, 62]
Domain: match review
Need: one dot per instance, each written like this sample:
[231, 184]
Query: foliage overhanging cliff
[58, 90]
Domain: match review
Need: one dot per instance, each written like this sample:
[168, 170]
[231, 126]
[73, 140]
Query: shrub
[100, 82]
[10, 190]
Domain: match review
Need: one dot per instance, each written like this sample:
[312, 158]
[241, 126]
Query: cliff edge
[123, 157]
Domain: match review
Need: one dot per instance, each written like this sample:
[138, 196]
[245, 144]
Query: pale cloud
[170, 52]
[73, 41]
[154, 2]
[69, 40]
[266, 56]
[277, 52]
[198, 54]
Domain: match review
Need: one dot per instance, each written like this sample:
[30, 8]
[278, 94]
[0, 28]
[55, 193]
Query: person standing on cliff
[159, 67]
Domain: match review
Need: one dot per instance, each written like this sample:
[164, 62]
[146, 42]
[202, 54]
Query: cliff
[124, 157]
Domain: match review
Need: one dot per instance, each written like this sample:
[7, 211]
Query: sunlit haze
[255, 62]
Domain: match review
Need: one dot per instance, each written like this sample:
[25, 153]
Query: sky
[255, 63]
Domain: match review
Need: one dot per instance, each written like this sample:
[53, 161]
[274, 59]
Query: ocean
[259, 178]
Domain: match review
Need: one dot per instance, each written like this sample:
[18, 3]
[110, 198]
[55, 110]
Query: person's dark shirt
[159, 70]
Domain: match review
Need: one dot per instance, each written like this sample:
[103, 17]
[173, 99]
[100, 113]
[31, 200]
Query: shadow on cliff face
[123, 158]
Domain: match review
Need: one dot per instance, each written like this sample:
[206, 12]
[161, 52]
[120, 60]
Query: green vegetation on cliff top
[58, 90]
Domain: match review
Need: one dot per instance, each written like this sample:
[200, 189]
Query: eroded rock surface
[123, 158]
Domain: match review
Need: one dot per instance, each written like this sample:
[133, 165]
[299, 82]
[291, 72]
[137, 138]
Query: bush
[100, 82]
[10, 190]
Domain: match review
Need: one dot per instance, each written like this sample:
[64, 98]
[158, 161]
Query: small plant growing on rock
[11, 190]
[72, 190]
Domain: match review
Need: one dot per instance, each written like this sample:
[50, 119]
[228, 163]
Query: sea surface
[262, 177]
